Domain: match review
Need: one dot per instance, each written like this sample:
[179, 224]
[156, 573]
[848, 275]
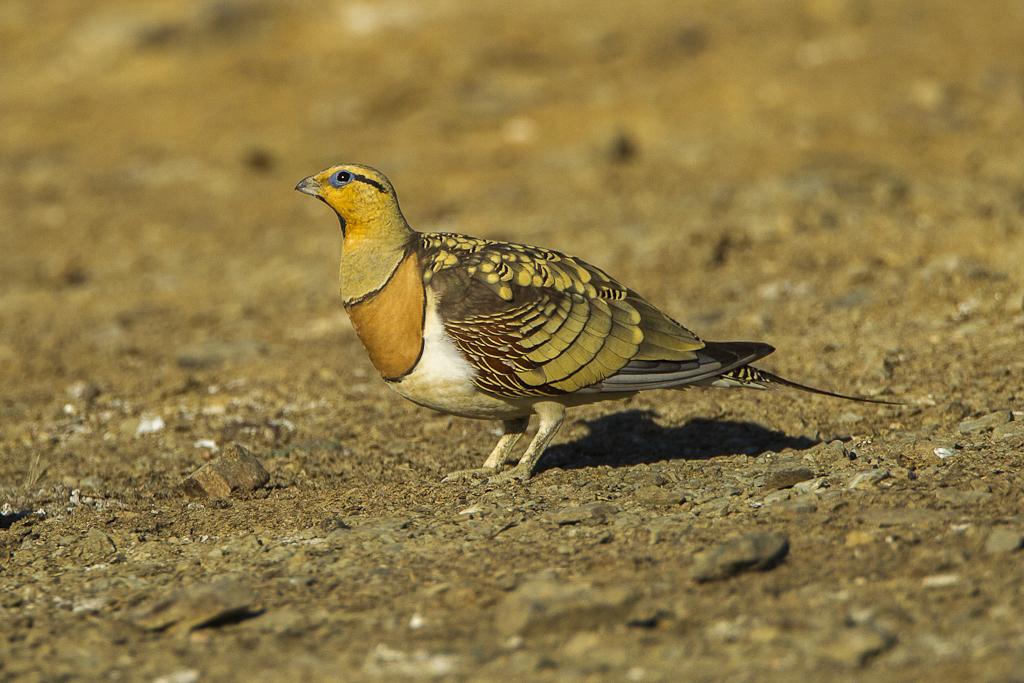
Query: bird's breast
[390, 322]
[443, 378]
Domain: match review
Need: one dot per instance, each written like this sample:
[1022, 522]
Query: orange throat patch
[390, 322]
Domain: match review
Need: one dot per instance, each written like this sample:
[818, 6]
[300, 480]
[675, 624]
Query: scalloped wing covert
[536, 322]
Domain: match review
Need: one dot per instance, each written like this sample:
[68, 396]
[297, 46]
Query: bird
[496, 330]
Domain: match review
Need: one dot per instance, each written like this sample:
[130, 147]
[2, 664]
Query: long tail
[749, 376]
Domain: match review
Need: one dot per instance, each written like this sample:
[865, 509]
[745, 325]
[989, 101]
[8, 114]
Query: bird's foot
[476, 473]
[518, 473]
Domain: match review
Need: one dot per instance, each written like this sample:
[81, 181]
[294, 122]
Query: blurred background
[843, 179]
[741, 164]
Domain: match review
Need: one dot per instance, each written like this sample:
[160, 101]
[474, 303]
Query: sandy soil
[840, 178]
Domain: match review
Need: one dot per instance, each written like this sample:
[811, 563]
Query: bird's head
[363, 197]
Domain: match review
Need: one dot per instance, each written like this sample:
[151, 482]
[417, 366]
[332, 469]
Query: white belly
[443, 378]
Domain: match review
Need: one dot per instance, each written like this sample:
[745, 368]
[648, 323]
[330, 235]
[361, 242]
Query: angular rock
[753, 552]
[986, 422]
[199, 606]
[547, 606]
[1001, 541]
[787, 476]
[234, 472]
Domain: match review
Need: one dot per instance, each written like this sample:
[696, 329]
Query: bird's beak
[309, 186]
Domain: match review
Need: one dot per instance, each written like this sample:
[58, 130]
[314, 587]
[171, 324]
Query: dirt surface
[841, 178]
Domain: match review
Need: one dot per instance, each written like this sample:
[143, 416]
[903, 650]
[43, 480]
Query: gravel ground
[840, 178]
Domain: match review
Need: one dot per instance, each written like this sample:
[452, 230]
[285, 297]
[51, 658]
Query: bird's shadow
[633, 437]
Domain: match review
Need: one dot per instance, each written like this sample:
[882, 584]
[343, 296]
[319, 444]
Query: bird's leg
[551, 415]
[512, 431]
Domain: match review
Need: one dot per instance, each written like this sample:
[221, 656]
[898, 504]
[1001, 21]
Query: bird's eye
[341, 178]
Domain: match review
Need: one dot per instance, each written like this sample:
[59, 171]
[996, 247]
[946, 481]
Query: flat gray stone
[985, 422]
[753, 552]
[787, 476]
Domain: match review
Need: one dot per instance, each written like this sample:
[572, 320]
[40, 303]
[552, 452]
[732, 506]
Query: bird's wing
[535, 322]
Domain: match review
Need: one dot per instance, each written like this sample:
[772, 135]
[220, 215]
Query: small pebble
[622, 147]
[150, 425]
[85, 391]
[182, 676]
[940, 580]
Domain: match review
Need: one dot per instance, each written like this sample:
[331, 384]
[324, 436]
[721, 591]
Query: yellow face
[358, 194]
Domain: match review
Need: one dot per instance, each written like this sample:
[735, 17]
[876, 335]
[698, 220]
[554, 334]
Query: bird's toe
[515, 474]
[474, 474]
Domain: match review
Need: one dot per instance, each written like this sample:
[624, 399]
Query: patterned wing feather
[536, 322]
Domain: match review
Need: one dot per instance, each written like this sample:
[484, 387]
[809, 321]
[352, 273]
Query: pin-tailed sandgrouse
[503, 331]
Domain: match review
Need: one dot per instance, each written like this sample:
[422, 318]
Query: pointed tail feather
[749, 376]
